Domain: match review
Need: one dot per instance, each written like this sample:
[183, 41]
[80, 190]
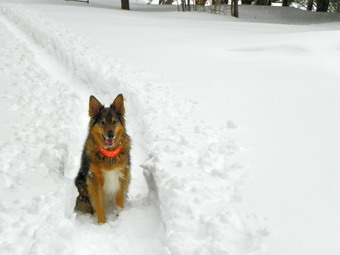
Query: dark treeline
[310, 5]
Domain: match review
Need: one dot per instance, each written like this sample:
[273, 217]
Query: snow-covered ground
[209, 98]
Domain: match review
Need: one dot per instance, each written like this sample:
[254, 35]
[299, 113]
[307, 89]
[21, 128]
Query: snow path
[188, 165]
[42, 190]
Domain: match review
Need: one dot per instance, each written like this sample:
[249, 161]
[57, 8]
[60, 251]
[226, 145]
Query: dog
[104, 174]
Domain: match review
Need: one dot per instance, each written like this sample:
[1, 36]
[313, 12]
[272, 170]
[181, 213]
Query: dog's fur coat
[104, 180]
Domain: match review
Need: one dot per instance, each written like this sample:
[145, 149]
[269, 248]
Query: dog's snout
[110, 134]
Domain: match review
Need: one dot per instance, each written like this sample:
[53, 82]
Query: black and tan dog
[104, 174]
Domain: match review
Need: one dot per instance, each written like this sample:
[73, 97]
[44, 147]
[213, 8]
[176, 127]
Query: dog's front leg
[95, 186]
[121, 194]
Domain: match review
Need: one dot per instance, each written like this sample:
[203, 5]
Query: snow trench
[188, 164]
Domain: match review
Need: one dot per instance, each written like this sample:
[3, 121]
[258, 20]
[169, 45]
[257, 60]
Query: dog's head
[107, 124]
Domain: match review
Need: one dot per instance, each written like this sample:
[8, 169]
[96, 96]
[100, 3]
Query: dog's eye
[102, 122]
[114, 122]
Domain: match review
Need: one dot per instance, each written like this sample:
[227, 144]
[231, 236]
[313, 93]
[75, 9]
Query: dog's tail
[83, 202]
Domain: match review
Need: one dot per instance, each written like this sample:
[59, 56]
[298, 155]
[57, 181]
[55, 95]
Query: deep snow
[36, 199]
[194, 201]
[193, 183]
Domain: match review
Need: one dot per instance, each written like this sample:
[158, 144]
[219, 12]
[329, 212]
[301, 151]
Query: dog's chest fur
[111, 184]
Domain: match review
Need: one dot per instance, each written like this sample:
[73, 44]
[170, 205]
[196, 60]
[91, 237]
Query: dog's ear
[118, 105]
[94, 106]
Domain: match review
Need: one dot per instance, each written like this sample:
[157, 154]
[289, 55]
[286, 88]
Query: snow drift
[189, 167]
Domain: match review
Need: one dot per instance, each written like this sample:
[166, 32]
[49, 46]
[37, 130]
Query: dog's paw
[118, 210]
[101, 220]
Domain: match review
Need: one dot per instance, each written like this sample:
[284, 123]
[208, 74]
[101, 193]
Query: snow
[209, 98]
[37, 201]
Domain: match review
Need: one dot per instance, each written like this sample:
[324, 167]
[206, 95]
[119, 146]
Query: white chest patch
[111, 184]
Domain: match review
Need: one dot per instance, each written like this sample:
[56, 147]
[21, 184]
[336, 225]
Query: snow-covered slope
[56, 53]
[34, 195]
[193, 183]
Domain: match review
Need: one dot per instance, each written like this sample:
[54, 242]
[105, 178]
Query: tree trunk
[310, 5]
[269, 2]
[246, 1]
[234, 8]
[184, 5]
[285, 3]
[125, 5]
[322, 5]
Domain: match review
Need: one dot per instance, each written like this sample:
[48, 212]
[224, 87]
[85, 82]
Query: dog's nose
[110, 134]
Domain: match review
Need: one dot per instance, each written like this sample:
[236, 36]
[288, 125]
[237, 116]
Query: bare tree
[188, 4]
[184, 5]
[125, 4]
[234, 8]
[322, 5]
[310, 4]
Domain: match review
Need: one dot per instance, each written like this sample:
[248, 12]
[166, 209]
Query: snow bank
[35, 213]
[188, 166]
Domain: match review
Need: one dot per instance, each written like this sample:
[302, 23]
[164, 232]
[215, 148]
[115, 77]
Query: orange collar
[110, 154]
